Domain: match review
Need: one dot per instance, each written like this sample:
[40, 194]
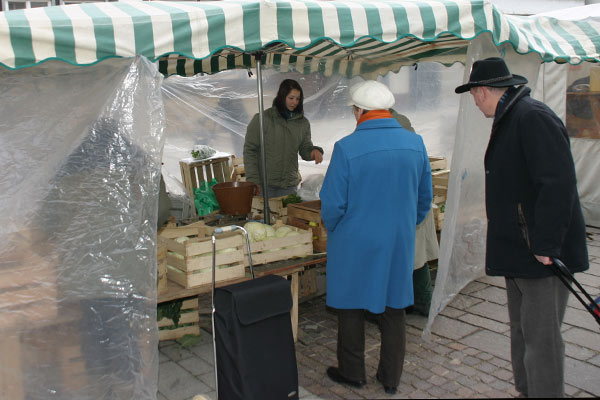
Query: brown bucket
[234, 198]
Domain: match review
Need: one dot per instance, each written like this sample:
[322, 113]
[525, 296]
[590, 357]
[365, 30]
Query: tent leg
[263, 166]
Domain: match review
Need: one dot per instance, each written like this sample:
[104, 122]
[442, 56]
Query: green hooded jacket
[284, 140]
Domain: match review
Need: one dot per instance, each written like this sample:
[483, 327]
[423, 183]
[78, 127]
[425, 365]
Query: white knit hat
[371, 95]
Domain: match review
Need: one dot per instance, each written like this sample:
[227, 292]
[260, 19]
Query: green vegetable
[170, 310]
[189, 340]
[201, 152]
[291, 199]
[443, 208]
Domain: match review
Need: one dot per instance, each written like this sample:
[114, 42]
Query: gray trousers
[536, 308]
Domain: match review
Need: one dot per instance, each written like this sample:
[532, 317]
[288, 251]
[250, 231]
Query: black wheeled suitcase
[254, 349]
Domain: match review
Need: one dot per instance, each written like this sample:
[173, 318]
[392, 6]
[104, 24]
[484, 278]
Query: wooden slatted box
[277, 249]
[307, 215]
[190, 263]
[188, 324]
[193, 171]
[276, 209]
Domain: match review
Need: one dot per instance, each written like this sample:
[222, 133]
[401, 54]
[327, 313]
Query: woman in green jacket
[287, 134]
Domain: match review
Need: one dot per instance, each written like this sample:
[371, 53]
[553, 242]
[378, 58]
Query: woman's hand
[317, 156]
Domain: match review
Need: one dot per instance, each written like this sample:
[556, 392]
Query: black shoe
[387, 389]
[334, 374]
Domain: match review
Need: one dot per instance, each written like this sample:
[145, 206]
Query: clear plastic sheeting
[462, 247]
[80, 169]
[215, 110]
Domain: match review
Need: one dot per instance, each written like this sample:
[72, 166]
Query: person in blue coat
[376, 191]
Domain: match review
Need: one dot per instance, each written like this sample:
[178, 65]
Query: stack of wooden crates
[439, 178]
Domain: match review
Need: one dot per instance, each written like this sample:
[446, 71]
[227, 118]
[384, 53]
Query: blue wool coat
[376, 190]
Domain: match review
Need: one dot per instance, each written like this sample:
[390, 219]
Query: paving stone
[196, 365]
[450, 328]
[159, 396]
[583, 338]
[474, 286]
[501, 363]
[484, 356]
[582, 375]
[578, 352]
[486, 323]
[503, 374]
[437, 392]
[471, 361]
[466, 370]
[578, 317]
[486, 367]
[463, 302]
[595, 360]
[452, 312]
[176, 352]
[490, 342]
[175, 383]
[493, 294]
[594, 251]
[491, 311]
[493, 280]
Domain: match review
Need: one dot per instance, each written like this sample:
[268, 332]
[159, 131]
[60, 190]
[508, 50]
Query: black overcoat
[531, 194]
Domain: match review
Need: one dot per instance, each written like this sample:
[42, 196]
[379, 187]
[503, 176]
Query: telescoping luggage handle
[218, 231]
[567, 277]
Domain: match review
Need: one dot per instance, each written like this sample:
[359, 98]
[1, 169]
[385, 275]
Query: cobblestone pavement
[468, 355]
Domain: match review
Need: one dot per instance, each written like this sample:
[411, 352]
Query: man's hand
[544, 260]
[317, 156]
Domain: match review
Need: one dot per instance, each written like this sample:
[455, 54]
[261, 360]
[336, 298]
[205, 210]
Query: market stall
[84, 117]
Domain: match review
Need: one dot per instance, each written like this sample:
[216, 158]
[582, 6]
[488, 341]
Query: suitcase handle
[563, 273]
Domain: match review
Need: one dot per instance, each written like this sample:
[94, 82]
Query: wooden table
[285, 268]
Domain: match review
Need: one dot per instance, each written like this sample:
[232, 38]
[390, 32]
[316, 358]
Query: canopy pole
[263, 164]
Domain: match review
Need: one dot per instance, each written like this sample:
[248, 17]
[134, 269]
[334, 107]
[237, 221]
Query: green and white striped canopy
[346, 37]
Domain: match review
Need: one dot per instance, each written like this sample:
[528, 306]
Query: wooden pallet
[307, 215]
[189, 321]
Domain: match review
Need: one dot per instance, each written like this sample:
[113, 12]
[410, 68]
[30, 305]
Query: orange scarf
[374, 114]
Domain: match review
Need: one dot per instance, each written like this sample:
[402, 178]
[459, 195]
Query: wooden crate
[440, 178]
[276, 208]
[161, 264]
[277, 249]
[307, 215]
[438, 217]
[437, 162]
[193, 172]
[190, 263]
[189, 322]
[238, 172]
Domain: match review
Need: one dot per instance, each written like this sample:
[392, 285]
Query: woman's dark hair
[284, 89]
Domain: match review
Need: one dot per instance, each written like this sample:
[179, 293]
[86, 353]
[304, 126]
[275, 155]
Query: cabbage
[283, 231]
[256, 231]
[270, 231]
[182, 239]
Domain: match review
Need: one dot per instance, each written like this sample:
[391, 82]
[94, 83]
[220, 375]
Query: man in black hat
[534, 215]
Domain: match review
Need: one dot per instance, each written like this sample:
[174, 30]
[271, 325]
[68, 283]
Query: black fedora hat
[491, 72]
